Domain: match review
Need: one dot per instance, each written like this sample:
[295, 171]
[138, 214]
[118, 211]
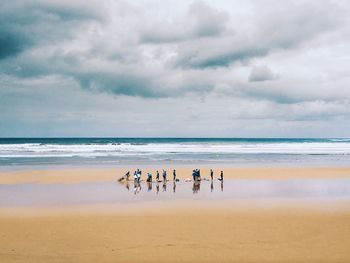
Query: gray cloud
[11, 43]
[200, 21]
[261, 73]
[201, 57]
[273, 30]
[24, 24]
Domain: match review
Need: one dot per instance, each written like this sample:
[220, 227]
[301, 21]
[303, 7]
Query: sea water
[21, 152]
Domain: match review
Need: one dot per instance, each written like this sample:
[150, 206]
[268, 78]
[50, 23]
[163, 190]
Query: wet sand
[189, 230]
[71, 175]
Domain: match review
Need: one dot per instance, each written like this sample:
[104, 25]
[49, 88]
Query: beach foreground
[178, 236]
[306, 230]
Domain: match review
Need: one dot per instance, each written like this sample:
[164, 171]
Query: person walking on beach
[194, 175]
[164, 175]
[125, 177]
[211, 174]
[149, 178]
[138, 175]
[221, 176]
[157, 176]
[174, 175]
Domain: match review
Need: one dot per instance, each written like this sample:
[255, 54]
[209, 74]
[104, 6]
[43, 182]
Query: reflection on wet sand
[137, 186]
[196, 187]
[149, 186]
[131, 191]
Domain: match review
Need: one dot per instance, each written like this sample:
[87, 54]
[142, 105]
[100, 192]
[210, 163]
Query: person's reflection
[222, 186]
[137, 187]
[174, 187]
[157, 187]
[164, 186]
[126, 184]
[211, 186]
[149, 186]
[196, 187]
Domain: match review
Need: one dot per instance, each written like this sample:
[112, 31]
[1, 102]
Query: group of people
[196, 175]
[150, 185]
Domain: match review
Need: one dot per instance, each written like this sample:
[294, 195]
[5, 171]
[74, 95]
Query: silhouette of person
[139, 175]
[164, 175]
[194, 175]
[221, 176]
[149, 177]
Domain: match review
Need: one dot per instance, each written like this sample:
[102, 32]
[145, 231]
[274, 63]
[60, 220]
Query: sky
[175, 68]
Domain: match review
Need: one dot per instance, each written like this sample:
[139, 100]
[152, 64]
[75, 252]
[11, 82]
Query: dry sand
[179, 234]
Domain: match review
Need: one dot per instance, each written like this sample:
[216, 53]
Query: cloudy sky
[255, 68]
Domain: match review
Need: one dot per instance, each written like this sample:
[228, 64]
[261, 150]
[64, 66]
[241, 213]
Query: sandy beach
[178, 236]
[230, 231]
[75, 175]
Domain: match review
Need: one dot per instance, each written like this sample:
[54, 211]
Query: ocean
[28, 152]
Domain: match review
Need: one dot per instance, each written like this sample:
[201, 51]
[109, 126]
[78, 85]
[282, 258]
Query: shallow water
[16, 153]
[121, 193]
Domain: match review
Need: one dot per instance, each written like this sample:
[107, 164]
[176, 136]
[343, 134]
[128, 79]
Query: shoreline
[171, 164]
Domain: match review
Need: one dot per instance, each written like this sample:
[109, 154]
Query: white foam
[127, 149]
